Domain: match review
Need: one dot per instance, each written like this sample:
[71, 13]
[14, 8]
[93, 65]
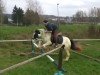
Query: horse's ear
[37, 31]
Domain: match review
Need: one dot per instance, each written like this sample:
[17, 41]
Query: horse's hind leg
[67, 54]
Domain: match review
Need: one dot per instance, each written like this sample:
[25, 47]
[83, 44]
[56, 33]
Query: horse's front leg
[46, 44]
[40, 43]
[67, 54]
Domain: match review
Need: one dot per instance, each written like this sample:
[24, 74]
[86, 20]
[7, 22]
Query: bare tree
[80, 16]
[94, 15]
[98, 14]
[1, 11]
[93, 12]
[34, 5]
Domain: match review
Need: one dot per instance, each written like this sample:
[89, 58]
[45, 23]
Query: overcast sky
[66, 7]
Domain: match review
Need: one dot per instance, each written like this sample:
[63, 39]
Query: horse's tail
[75, 46]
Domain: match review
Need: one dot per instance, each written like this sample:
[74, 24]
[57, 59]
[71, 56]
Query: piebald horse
[46, 36]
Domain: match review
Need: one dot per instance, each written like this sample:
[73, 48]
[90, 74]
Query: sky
[49, 7]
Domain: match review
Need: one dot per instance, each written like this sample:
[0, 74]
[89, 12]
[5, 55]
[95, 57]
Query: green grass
[92, 48]
[77, 65]
[9, 53]
[72, 31]
[13, 32]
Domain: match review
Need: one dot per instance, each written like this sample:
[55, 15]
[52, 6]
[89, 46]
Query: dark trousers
[54, 37]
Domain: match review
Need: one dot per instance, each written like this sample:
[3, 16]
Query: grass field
[72, 31]
[77, 65]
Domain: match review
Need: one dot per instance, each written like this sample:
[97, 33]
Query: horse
[62, 40]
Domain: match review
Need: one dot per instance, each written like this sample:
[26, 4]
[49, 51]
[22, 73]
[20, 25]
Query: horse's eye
[39, 32]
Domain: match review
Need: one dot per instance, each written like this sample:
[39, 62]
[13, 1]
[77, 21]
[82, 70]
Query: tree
[80, 16]
[5, 21]
[36, 8]
[17, 15]
[34, 5]
[98, 12]
[29, 17]
[37, 18]
[93, 12]
[1, 11]
[94, 15]
[20, 16]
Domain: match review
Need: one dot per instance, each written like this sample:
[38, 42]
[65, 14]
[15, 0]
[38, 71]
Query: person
[50, 27]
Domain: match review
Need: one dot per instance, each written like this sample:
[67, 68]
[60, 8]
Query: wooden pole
[60, 72]
[60, 59]
[29, 60]
[40, 39]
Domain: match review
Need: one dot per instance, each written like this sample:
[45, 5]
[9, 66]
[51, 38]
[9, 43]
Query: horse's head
[38, 33]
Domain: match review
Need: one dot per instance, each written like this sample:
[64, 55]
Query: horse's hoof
[65, 60]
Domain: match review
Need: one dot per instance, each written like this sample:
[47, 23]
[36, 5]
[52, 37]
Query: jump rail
[98, 60]
[14, 40]
[59, 64]
[30, 40]
[29, 60]
[86, 39]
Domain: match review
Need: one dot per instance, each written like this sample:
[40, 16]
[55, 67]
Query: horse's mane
[41, 29]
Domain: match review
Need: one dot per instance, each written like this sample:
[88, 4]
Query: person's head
[45, 22]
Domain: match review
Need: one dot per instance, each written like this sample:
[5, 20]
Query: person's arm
[48, 28]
